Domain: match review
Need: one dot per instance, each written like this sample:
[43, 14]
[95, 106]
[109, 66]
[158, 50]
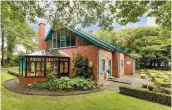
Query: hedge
[13, 73]
[146, 95]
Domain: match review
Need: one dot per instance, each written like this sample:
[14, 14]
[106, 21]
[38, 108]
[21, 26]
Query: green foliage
[144, 85]
[161, 78]
[131, 11]
[148, 44]
[146, 95]
[65, 84]
[51, 76]
[14, 25]
[143, 76]
[81, 66]
[16, 74]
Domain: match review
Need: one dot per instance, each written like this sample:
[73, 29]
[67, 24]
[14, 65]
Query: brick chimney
[42, 44]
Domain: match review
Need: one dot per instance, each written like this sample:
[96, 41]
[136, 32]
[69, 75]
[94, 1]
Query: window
[121, 64]
[62, 38]
[68, 38]
[73, 41]
[109, 65]
[54, 39]
[103, 65]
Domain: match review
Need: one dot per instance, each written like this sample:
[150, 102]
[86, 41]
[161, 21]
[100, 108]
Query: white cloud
[40, 20]
[151, 21]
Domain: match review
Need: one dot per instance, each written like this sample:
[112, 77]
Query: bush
[143, 76]
[146, 95]
[51, 76]
[165, 90]
[65, 84]
[13, 73]
[81, 67]
[144, 85]
[150, 88]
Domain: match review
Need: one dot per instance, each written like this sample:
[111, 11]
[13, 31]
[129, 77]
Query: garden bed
[14, 86]
[160, 78]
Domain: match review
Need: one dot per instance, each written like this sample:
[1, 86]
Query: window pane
[103, 65]
[39, 69]
[73, 40]
[67, 38]
[62, 43]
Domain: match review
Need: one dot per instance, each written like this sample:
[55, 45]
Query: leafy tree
[104, 13]
[131, 11]
[14, 28]
[148, 44]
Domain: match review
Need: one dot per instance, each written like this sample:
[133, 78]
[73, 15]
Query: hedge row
[146, 95]
[13, 73]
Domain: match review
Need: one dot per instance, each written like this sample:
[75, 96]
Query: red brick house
[102, 55]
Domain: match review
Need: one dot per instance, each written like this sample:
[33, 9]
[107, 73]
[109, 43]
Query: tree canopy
[105, 13]
[148, 44]
[14, 27]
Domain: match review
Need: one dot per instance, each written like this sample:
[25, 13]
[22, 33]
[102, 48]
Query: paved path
[134, 81]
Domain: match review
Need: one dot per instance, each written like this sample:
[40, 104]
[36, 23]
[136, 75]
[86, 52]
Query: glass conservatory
[44, 62]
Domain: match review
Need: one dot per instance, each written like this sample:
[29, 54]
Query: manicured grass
[105, 100]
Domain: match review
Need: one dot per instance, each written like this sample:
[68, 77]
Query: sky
[144, 21]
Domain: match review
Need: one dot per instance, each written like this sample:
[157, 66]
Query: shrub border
[13, 73]
[54, 93]
[146, 95]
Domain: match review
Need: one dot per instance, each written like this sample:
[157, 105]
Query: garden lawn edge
[26, 90]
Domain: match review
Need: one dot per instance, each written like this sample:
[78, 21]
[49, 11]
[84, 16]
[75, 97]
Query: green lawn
[105, 100]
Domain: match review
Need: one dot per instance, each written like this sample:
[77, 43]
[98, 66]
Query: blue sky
[144, 21]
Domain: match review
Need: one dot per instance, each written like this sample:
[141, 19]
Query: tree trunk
[2, 50]
[150, 64]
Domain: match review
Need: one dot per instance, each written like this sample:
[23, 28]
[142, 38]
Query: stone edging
[14, 87]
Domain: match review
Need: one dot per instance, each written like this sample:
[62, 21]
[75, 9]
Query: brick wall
[106, 55]
[89, 51]
[25, 81]
[42, 44]
[115, 64]
[128, 65]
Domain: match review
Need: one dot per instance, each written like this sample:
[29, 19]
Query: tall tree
[14, 15]
[148, 44]
[131, 11]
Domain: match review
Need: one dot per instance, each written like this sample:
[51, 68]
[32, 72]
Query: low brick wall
[25, 81]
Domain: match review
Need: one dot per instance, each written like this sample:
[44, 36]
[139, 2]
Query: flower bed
[65, 84]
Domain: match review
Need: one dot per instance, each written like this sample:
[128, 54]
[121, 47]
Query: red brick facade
[121, 64]
[90, 51]
[129, 65]
[42, 44]
[24, 81]
[106, 55]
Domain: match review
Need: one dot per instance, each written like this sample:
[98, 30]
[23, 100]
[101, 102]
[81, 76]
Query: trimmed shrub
[65, 84]
[81, 67]
[144, 85]
[165, 90]
[143, 76]
[51, 76]
[150, 87]
[13, 73]
[146, 95]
